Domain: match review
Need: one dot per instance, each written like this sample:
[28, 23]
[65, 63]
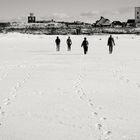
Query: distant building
[45, 21]
[124, 24]
[75, 24]
[4, 24]
[53, 24]
[137, 16]
[130, 23]
[31, 18]
[116, 24]
[103, 22]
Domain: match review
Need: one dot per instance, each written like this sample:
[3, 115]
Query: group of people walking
[84, 44]
[69, 43]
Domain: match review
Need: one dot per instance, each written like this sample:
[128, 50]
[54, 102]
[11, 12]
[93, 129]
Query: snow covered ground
[49, 95]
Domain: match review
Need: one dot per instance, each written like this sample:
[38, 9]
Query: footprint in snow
[95, 114]
[100, 108]
[138, 85]
[2, 113]
[14, 95]
[99, 126]
[14, 89]
[91, 104]
[7, 101]
[103, 118]
[78, 91]
[107, 132]
[18, 85]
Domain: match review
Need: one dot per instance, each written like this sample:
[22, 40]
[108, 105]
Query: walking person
[69, 43]
[111, 43]
[85, 45]
[57, 41]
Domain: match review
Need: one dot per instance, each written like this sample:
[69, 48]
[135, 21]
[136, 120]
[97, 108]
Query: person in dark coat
[69, 43]
[57, 41]
[85, 45]
[111, 43]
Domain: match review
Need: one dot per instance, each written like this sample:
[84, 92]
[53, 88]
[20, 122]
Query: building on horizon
[31, 18]
[116, 24]
[4, 24]
[103, 22]
[130, 23]
[137, 16]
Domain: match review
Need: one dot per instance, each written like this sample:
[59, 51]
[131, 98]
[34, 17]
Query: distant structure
[4, 24]
[103, 22]
[31, 18]
[137, 16]
[116, 24]
[45, 21]
[130, 23]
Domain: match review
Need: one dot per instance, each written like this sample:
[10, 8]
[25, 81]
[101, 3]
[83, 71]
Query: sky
[68, 10]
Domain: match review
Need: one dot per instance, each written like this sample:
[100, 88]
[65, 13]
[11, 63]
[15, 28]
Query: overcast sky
[69, 10]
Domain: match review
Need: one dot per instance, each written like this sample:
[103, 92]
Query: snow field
[66, 95]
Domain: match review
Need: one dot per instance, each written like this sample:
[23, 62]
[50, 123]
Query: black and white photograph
[69, 70]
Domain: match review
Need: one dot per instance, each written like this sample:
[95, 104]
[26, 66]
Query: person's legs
[110, 49]
[57, 47]
[85, 50]
[69, 47]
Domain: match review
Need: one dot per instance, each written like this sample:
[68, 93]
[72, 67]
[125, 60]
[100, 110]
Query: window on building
[137, 17]
[33, 19]
[137, 12]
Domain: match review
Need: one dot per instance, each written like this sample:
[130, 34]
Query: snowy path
[66, 95]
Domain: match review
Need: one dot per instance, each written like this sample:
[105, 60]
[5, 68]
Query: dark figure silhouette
[69, 43]
[111, 43]
[57, 41]
[85, 45]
